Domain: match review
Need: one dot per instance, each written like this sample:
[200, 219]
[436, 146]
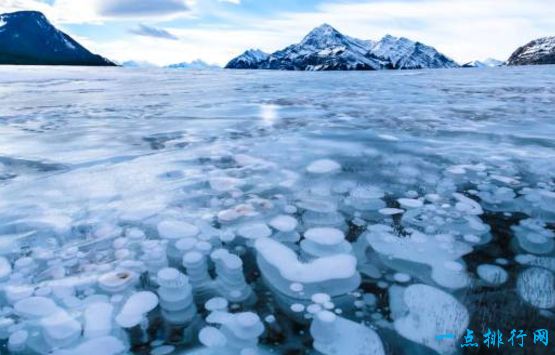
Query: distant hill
[195, 64]
[489, 62]
[138, 64]
[539, 51]
[28, 38]
[325, 48]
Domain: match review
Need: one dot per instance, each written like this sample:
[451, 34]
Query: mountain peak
[24, 16]
[30, 13]
[27, 37]
[250, 59]
[325, 28]
[325, 48]
[323, 36]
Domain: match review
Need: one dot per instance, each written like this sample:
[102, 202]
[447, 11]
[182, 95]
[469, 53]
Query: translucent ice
[432, 312]
[537, 287]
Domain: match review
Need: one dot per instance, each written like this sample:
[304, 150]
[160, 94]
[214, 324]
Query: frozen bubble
[297, 307]
[136, 307]
[284, 223]
[370, 299]
[171, 229]
[433, 197]
[229, 215]
[212, 337]
[411, 194]
[313, 308]
[224, 184]
[432, 312]
[216, 304]
[17, 341]
[186, 244]
[472, 238]
[35, 307]
[323, 166]
[135, 234]
[247, 319]
[390, 211]
[119, 243]
[117, 281]
[204, 247]
[410, 203]
[274, 256]
[60, 328]
[401, 277]
[98, 319]
[492, 274]
[320, 298]
[537, 287]
[388, 137]
[326, 317]
[290, 209]
[366, 192]
[254, 231]
[105, 345]
[296, 287]
[467, 205]
[325, 236]
[163, 350]
[270, 318]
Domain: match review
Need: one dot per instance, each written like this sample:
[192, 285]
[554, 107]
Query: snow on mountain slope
[27, 37]
[248, 60]
[402, 53]
[486, 63]
[539, 51]
[325, 48]
[195, 65]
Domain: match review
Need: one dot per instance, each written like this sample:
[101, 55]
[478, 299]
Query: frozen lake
[415, 203]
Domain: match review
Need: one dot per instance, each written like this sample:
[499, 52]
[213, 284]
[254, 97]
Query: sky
[171, 31]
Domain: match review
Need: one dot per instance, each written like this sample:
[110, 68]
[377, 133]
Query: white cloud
[17, 5]
[141, 8]
[461, 29]
[100, 11]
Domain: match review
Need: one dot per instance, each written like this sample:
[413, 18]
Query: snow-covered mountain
[325, 48]
[27, 37]
[486, 63]
[539, 51]
[195, 65]
[250, 59]
[138, 64]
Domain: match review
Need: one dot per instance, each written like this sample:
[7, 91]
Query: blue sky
[170, 31]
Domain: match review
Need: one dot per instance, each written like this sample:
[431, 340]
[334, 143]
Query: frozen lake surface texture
[254, 212]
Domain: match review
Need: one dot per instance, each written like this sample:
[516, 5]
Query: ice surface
[274, 195]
